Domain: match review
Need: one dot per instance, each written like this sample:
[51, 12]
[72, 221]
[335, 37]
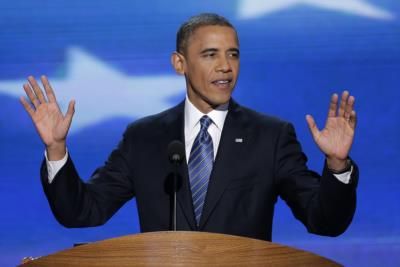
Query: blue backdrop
[113, 58]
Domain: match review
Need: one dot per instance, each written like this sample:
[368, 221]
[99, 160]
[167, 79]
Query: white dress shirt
[192, 127]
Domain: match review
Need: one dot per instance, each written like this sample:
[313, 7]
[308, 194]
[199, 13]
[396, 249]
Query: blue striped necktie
[200, 165]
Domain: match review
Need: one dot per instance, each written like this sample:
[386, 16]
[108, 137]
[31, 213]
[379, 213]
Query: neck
[206, 108]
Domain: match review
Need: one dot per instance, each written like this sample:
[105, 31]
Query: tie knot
[205, 122]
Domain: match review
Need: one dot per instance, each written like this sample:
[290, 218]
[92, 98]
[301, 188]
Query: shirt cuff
[54, 166]
[344, 177]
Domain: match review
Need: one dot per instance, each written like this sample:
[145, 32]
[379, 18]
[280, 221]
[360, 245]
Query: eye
[234, 54]
[211, 54]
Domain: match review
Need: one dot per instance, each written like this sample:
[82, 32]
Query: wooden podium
[181, 249]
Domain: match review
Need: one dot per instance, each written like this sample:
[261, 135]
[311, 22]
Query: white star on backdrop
[102, 92]
[248, 9]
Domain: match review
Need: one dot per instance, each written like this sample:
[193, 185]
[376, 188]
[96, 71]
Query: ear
[178, 62]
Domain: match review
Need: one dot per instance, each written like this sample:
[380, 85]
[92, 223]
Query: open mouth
[222, 83]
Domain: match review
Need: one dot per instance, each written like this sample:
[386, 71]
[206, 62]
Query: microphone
[176, 154]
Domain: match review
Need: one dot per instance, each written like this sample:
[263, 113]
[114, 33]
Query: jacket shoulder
[261, 119]
[155, 122]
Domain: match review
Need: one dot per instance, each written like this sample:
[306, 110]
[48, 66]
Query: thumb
[312, 126]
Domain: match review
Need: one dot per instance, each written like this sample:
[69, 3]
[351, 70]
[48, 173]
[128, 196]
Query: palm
[50, 123]
[46, 115]
[336, 138]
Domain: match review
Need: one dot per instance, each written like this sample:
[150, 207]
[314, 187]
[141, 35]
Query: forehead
[213, 37]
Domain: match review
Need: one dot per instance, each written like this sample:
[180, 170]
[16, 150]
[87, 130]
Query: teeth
[222, 82]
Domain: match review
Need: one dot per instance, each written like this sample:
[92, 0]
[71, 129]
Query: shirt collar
[193, 115]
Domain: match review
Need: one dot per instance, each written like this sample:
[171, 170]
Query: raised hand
[47, 117]
[336, 138]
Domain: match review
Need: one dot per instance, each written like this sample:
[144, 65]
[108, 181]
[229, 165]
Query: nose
[223, 65]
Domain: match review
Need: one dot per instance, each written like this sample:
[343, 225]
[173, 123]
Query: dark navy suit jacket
[245, 182]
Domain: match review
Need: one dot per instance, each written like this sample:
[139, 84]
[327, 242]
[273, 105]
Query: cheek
[235, 66]
[196, 72]
[200, 73]
[203, 74]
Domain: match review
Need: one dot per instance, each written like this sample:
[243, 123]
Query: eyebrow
[207, 50]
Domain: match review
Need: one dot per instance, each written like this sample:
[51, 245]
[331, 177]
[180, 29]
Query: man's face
[211, 66]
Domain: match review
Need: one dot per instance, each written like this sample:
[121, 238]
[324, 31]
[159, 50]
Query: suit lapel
[233, 139]
[175, 126]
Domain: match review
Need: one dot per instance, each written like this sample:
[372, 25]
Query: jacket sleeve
[323, 204]
[76, 203]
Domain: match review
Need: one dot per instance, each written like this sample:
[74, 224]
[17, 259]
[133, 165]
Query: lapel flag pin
[239, 140]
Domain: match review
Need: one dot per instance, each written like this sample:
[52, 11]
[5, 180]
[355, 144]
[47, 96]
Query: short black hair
[189, 27]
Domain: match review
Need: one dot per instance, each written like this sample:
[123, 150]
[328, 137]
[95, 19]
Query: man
[237, 161]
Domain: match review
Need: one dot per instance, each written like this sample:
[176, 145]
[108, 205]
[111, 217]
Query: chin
[220, 100]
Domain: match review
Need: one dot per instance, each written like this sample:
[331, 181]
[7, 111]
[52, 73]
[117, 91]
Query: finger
[353, 119]
[48, 89]
[36, 89]
[312, 126]
[349, 107]
[70, 112]
[333, 106]
[343, 102]
[32, 97]
[27, 106]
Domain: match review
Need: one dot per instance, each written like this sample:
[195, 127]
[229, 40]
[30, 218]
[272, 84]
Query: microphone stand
[176, 153]
[175, 184]
[176, 159]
